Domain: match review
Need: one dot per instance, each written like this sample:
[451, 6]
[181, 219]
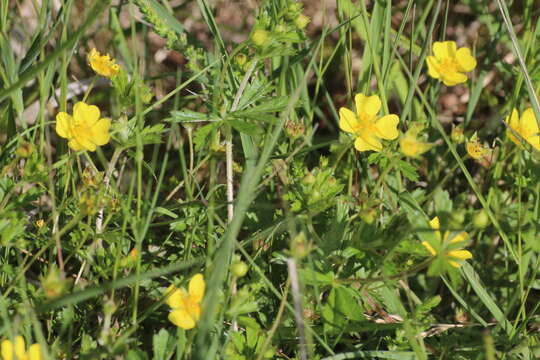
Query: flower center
[448, 65]
[190, 305]
[365, 125]
[81, 128]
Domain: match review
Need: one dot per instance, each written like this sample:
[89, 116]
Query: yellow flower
[17, 350]
[366, 126]
[186, 306]
[448, 250]
[85, 129]
[526, 127]
[475, 149]
[102, 64]
[449, 63]
[409, 143]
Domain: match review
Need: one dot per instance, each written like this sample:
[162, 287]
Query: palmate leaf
[149, 135]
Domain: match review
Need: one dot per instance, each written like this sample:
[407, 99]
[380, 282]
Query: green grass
[226, 158]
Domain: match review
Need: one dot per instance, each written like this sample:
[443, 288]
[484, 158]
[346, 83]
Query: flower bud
[299, 246]
[302, 21]
[481, 219]
[25, 149]
[309, 179]
[260, 37]
[241, 59]
[239, 269]
[457, 135]
[54, 284]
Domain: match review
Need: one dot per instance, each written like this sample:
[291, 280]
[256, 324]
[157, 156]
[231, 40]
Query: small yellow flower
[410, 145]
[456, 255]
[186, 306]
[366, 126]
[102, 64]
[85, 129]
[526, 127]
[17, 350]
[449, 63]
[475, 149]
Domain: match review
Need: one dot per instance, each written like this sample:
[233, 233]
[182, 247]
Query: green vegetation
[269, 179]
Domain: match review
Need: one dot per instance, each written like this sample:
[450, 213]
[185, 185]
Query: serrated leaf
[149, 135]
[408, 170]
[244, 127]
[202, 134]
[272, 105]
[255, 91]
[171, 22]
[190, 116]
[374, 158]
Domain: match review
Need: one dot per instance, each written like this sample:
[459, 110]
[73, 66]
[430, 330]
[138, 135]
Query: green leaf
[485, 297]
[408, 170]
[263, 111]
[159, 342]
[347, 304]
[190, 116]
[167, 212]
[244, 127]
[168, 20]
[203, 133]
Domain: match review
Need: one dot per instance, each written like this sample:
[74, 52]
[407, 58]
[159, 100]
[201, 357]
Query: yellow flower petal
[6, 349]
[100, 131]
[88, 114]
[196, 287]
[367, 142]
[63, 121]
[465, 60]
[475, 149]
[429, 248]
[433, 65]
[460, 254]
[182, 318]
[454, 263]
[513, 123]
[461, 237]
[367, 104]
[444, 49]
[175, 298]
[102, 64]
[411, 147]
[387, 127]
[529, 128]
[34, 352]
[196, 312]
[435, 223]
[84, 140]
[74, 145]
[20, 348]
[348, 121]
[453, 78]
